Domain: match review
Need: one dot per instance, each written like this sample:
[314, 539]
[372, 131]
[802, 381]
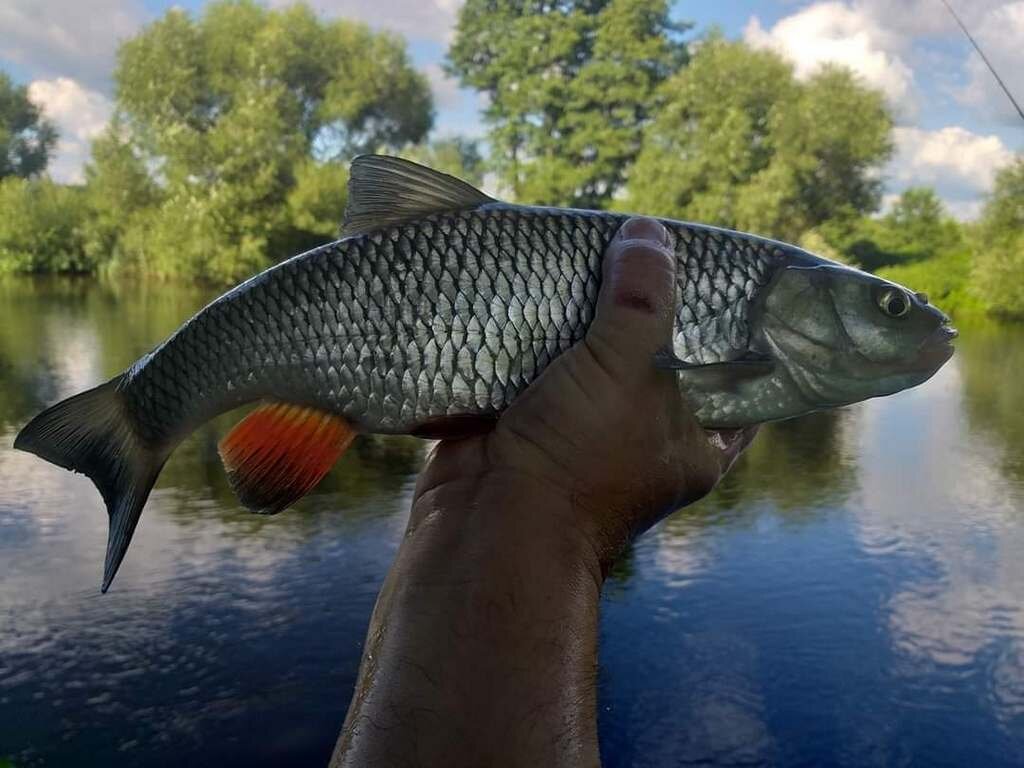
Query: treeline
[229, 145]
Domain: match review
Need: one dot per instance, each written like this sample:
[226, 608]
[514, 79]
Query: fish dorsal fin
[384, 191]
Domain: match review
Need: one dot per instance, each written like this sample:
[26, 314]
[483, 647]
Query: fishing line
[984, 58]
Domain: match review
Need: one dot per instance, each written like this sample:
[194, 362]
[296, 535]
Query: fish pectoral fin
[279, 452]
[715, 376]
[384, 191]
[665, 359]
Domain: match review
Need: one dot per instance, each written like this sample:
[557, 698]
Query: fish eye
[894, 302]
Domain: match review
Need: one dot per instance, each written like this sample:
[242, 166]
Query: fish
[437, 307]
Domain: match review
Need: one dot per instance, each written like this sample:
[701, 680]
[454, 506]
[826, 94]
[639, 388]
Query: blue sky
[954, 128]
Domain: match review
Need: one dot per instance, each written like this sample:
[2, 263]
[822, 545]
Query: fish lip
[936, 349]
[944, 334]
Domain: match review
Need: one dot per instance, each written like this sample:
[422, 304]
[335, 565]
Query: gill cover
[843, 335]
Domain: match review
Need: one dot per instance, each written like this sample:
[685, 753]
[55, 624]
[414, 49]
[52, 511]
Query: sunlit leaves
[570, 87]
[26, 138]
[741, 143]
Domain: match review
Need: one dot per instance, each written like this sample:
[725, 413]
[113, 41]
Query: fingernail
[643, 228]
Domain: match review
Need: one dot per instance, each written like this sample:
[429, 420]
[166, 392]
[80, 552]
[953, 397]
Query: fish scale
[451, 315]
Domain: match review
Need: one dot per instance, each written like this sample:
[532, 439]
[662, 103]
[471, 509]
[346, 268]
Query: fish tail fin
[92, 433]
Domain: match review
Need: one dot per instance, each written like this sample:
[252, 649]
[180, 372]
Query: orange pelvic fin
[279, 452]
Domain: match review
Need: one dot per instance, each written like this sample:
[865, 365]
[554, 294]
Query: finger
[636, 304]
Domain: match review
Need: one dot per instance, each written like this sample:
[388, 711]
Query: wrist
[484, 635]
[497, 522]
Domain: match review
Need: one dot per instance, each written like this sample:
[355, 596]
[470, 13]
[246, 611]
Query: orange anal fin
[279, 452]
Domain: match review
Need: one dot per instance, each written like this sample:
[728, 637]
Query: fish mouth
[936, 349]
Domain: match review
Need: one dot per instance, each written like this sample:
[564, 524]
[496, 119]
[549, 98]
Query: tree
[998, 273]
[917, 228]
[26, 137]
[917, 215]
[41, 227]
[570, 86]
[741, 143]
[232, 115]
[119, 193]
[317, 201]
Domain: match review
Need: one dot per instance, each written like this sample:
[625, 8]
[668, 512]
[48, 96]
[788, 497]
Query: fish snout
[921, 302]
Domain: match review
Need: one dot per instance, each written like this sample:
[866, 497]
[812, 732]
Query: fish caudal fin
[91, 433]
[279, 452]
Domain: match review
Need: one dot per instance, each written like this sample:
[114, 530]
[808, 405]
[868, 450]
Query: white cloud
[459, 110]
[837, 33]
[950, 157]
[80, 115]
[883, 42]
[417, 19]
[965, 210]
[445, 88]
[58, 37]
[1000, 33]
[926, 18]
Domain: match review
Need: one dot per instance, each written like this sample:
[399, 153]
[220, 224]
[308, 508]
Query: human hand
[601, 427]
[483, 643]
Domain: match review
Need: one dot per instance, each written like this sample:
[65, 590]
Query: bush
[998, 274]
[946, 279]
[41, 226]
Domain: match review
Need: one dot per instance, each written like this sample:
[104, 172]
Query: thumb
[636, 305]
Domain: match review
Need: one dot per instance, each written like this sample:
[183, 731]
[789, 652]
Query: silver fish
[437, 307]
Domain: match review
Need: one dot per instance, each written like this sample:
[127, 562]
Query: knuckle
[644, 227]
[645, 257]
[603, 352]
[644, 279]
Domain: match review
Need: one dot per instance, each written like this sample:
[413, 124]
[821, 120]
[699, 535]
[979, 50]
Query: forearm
[482, 647]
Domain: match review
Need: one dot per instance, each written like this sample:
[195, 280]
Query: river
[851, 595]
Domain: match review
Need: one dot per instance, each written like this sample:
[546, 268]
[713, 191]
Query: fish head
[845, 336]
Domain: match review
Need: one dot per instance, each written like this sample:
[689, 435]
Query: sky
[954, 127]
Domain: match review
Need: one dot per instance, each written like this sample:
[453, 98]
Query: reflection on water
[992, 371]
[851, 595]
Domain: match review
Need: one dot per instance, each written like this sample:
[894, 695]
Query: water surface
[853, 594]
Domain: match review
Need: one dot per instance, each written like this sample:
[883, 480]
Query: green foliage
[917, 228]
[232, 126]
[316, 203]
[120, 194]
[570, 87]
[41, 227]
[946, 278]
[26, 138]
[815, 241]
[335, 83]
[739, 142]
[998, 274]
[916, 221]
[916, 244]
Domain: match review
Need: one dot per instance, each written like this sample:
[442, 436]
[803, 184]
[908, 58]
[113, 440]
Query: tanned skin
[482, 648]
